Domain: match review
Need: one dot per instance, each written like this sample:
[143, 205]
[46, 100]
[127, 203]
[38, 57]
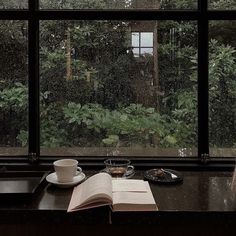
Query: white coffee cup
[66, 169]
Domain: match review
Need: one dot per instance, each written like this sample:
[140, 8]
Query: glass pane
[13, 4]
[120, 4]
[146, 50]
[99, 97]
[136, 52]
[13, 88]
[135, 39]
[146, 39]
[222, 4]
[222, 88]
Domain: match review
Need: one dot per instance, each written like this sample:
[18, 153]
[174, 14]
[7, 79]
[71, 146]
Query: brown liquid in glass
[117, 172]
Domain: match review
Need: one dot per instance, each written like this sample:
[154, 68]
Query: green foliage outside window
[104, 99]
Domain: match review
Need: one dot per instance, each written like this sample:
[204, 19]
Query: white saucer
[52, 178]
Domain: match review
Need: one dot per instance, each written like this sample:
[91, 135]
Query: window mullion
[33, 44]
[203, 78]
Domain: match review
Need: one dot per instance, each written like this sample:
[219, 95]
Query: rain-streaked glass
[222, 88]
[222, 4]
[101, 96]
[13, 88]
[118, 4]
[13, 4]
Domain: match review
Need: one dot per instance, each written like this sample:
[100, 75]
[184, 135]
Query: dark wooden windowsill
[204, 199]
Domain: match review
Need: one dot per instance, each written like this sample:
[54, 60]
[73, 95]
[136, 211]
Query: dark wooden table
[202, 205]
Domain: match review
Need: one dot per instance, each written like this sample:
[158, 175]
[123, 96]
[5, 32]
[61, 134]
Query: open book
[120, 194]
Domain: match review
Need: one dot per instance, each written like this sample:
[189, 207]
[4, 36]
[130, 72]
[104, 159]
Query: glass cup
[66, 170]
[118, 167]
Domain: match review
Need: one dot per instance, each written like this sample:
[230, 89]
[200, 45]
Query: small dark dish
[163, 176]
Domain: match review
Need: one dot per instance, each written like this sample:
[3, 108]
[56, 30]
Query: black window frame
[202, 15]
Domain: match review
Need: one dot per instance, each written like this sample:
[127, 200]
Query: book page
[134, 201]
[96, 189]
[128, 185]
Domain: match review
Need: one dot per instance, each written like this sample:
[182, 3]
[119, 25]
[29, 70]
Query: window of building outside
[142, 43]
[118, 87]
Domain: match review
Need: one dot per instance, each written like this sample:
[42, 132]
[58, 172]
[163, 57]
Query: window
[142, 43]
[222, 89]
[118, 78]
[13, 87]
[97, 99]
